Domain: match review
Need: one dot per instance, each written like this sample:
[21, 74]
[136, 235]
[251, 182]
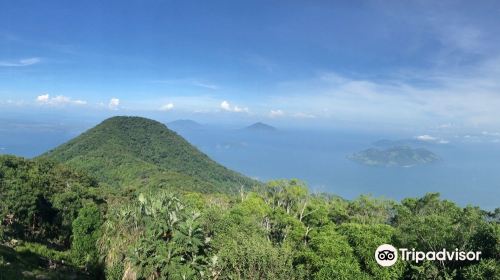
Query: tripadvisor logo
[387, 255]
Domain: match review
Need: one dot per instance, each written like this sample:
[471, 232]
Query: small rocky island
[400, 156]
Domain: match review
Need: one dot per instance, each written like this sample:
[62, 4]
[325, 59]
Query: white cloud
[204, 85]
[167, 107]
[224, 105]
[431, 139]
[489, 133]
[60, 100]
[21, 62]
[302, 115]
[276, 113]
[468, 99]
[12, 102]
[80, 102]
[426, 138]
[44, 98]
[114, 103]
[239, 110]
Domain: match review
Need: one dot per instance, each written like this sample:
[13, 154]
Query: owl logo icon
[386, 255]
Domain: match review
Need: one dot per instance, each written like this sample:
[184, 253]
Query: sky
[397, 64]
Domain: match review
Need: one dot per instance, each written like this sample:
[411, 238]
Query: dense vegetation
[57, 222]
[40, 203]
[277, 231]
[132, 152]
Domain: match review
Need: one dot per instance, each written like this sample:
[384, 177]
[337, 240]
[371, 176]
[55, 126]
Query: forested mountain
[134, 151]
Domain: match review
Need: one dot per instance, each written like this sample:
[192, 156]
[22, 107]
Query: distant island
[259, 126]
[400, 156]
[184, 124]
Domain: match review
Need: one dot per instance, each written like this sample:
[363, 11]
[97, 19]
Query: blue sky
[400, 64]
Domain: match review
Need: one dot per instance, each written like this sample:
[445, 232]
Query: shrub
[85, 235]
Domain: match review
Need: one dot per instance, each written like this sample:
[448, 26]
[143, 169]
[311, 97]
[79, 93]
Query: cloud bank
[21, 62]
[225, 106]
[59, 100]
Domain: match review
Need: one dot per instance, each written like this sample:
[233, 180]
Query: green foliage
[40, 199]
[241, 245]
[369, 210]
[484, 270]
[2, 233]
[431, 224]
[428, 223]
[162, 239]
[329, 255]
[277, 231]
[36, 261]
[243, 255]
[365, 239]
[85, 234]
[138, 152]
[114, 272]
[43, 251]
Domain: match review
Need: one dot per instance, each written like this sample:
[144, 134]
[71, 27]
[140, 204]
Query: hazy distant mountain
[184, 124]
[138, 152]
[259, 126]
[402, 156]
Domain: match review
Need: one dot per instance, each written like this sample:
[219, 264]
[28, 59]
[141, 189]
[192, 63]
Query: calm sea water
[469, 173]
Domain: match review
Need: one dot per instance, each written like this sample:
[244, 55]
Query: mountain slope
[135, 152]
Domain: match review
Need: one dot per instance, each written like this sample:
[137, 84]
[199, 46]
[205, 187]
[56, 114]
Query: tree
[329, 254]
[85, 235]
[364, 239]
[368, 210]
[40, 199]
[484, 270]
[432, 224]
[291, 195]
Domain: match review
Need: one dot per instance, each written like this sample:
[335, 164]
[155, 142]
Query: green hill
[139, 152]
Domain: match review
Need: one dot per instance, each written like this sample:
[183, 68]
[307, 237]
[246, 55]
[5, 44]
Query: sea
[467, 173]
